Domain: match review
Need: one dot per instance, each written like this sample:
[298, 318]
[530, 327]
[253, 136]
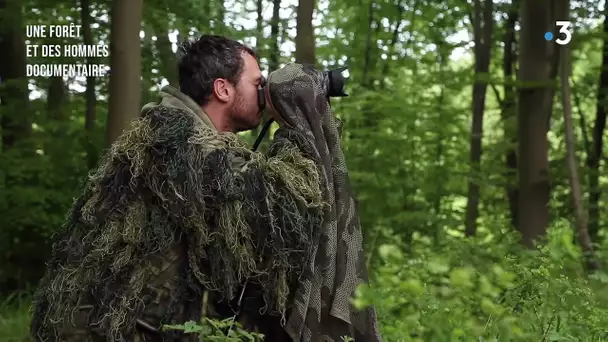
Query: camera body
[335, 86]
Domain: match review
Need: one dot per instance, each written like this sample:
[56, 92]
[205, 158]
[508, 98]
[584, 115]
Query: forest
[474, 145]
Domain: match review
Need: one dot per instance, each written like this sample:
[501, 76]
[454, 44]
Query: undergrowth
[15, 319]
[465, 290]
[481, 290]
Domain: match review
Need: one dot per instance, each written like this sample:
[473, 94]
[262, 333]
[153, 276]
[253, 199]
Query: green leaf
[192, 327]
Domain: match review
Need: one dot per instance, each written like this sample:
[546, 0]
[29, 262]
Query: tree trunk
[259, 47]
[87, 36]
[366, 80]
[582, 121]
[90, 97]
[259, 37]
[273, 60]
[508, 111]
[125, 61]
[305, 38]
[56, 97]
[14, 95]
[594, 158]
[55, 109]
[577, 197]
[535, 104]
[482, 30]
[444, 57]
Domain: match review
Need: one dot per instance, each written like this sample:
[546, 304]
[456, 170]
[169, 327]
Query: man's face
[245, 111]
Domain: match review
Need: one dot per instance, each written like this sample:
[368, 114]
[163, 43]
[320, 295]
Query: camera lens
[336, 81]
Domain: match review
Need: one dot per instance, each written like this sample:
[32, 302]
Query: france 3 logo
[564, 35]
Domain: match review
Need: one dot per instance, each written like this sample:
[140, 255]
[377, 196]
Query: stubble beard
[240, 116]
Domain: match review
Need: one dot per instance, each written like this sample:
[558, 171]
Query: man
[222, 77]
[180, 216]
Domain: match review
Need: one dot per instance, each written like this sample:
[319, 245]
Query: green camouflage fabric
[321, 310]
[177, 210]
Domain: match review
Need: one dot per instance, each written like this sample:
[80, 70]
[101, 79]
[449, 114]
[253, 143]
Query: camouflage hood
[321, 310]
[173, 98]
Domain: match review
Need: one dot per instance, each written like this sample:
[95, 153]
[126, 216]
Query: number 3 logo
[564, 28]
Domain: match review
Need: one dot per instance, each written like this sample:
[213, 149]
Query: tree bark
[577, 197]
[90, 97]
[582, 121]
[443, 58]
[87, 36]
[14, 93]
[56, 97]
[259, 38]
[305, 38]
[273, 60]
[535, 104]
[366, 80]
[594, 158]
[508, 108]
[482, 31]
[125, 63]
[259, 46]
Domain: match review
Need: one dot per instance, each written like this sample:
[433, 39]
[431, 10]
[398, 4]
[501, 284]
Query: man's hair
[203, 60]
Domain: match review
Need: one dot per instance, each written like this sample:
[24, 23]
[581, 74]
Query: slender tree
[125, 64]
[482, 32]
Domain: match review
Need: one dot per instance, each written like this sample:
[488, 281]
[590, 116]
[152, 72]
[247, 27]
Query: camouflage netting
[171, 180]
[321, 310]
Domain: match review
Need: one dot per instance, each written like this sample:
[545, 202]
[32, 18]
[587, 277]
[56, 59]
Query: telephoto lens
[336, 80]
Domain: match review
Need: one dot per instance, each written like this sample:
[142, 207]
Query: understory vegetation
[478, 289]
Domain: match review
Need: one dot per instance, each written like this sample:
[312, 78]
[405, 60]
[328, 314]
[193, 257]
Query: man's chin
[250, 125]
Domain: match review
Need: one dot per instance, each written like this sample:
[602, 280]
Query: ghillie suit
[321, 310]
[175, 210]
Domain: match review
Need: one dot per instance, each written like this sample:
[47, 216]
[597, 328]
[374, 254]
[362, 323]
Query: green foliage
[15, 319]
[222, 331]
[466, 290]
[40, 182]
[217, 330]
[479, 289]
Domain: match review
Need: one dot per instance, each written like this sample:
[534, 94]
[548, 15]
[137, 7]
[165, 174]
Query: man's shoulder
[179, 124]
[160, 111]
[172, 121]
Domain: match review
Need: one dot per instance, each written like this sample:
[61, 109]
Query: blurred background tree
[455, 136]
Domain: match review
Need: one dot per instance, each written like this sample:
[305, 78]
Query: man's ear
[222, 90]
